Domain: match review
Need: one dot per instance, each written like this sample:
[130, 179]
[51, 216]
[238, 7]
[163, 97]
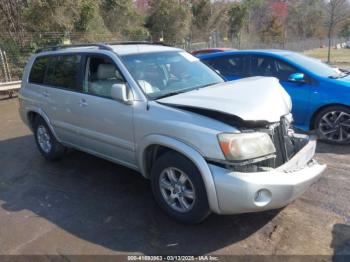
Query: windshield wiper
[343, 74]
[339, 76]
[211, 84]
[185, 90]
[174, 93]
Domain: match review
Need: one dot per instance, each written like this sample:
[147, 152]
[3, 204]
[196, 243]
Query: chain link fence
[13, 56]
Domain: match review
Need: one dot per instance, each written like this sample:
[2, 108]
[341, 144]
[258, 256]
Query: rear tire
[332, 125]
[46, 142]
[178, 188]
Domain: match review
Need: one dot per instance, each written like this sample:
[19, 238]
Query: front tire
[333, 125]
[46, 142]
[178, 188]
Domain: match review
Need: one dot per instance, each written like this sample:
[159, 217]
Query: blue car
[320, 93]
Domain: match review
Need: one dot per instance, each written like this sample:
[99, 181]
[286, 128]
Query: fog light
[262, 197]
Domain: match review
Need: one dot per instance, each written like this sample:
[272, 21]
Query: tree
[280, 11]
[306, 19]
[345, 30]
[51, 15]
[201, 14]
[237, 15]
[272, 31]
[51, 21]
[168, 20]
[252, 6]
[122, 18]
[90, 22]
[12, 16]
[337, 12]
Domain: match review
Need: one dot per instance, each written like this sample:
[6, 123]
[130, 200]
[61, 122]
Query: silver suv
[205, 144]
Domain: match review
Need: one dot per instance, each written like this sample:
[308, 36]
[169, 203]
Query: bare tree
[337, 12]
[11, 10]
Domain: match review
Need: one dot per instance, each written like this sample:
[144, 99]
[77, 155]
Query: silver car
[206, 145]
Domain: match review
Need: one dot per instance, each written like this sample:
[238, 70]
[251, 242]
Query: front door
[105, 126]
[299, 92]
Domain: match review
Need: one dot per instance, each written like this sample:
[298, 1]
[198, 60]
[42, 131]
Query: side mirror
[119, 92]
[297, 78]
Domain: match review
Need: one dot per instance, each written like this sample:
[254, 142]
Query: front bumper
[252, 192]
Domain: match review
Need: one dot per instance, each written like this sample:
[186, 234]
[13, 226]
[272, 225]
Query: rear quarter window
[37, 72]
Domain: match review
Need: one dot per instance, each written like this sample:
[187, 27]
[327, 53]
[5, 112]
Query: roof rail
[137, 43]
[58, 47]
[103, 46]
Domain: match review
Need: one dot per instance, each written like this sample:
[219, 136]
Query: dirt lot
[85, 205]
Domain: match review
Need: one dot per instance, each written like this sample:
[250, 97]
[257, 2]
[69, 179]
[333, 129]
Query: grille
[283, 144]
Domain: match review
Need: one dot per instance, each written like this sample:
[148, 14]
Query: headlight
[245, 146]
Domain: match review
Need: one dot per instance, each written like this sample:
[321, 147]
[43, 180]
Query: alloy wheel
[177, 189]
[335, 126]
[44, 139]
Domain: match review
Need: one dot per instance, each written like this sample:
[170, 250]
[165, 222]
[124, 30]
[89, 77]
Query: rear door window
[263, 66]
[37, 73]
[64, 72]
[229, 65]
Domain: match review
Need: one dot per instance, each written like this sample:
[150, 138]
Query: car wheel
[47, 144]
[333, 125]
[178, 188]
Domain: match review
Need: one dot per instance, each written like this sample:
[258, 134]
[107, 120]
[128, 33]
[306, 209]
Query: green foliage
[90, 21]
[305, 19]
[123, 20]
[272, 31]
[168, 19]
[345, 30]
[87, 14]
[51, 15]
[253, 3]
[201, 13]
[201, 18]
[237, 15]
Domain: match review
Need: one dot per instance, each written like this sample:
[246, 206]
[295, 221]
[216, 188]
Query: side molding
[187, 151]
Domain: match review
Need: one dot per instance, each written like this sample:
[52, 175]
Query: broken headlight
[246, 146]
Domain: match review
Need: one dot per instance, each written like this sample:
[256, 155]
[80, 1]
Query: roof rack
[103, 46]
[58, 47]
[137, 43]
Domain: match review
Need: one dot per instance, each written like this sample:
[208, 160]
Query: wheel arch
[33, 113]
[153, 146]
[314, 115]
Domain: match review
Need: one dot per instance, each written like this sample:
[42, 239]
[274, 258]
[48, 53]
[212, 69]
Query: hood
[251, 99]
[345, 81]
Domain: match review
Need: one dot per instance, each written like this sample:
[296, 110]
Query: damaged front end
[285, 141]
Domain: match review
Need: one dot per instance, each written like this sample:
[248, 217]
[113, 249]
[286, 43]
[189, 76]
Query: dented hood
[251, 99]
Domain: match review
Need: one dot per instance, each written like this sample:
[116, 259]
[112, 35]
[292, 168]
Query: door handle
[83, 103]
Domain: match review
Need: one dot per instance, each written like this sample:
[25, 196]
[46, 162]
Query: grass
[339, 57]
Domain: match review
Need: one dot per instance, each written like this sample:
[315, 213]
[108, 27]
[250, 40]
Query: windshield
[166, 73]
[314, 65]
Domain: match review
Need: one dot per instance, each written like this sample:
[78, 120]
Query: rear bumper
[252, 192]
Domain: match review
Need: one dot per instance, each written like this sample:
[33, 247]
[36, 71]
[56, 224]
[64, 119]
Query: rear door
[62, 85]
[232, 67]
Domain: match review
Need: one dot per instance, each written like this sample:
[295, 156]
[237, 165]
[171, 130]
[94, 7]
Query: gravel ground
[85, 205]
